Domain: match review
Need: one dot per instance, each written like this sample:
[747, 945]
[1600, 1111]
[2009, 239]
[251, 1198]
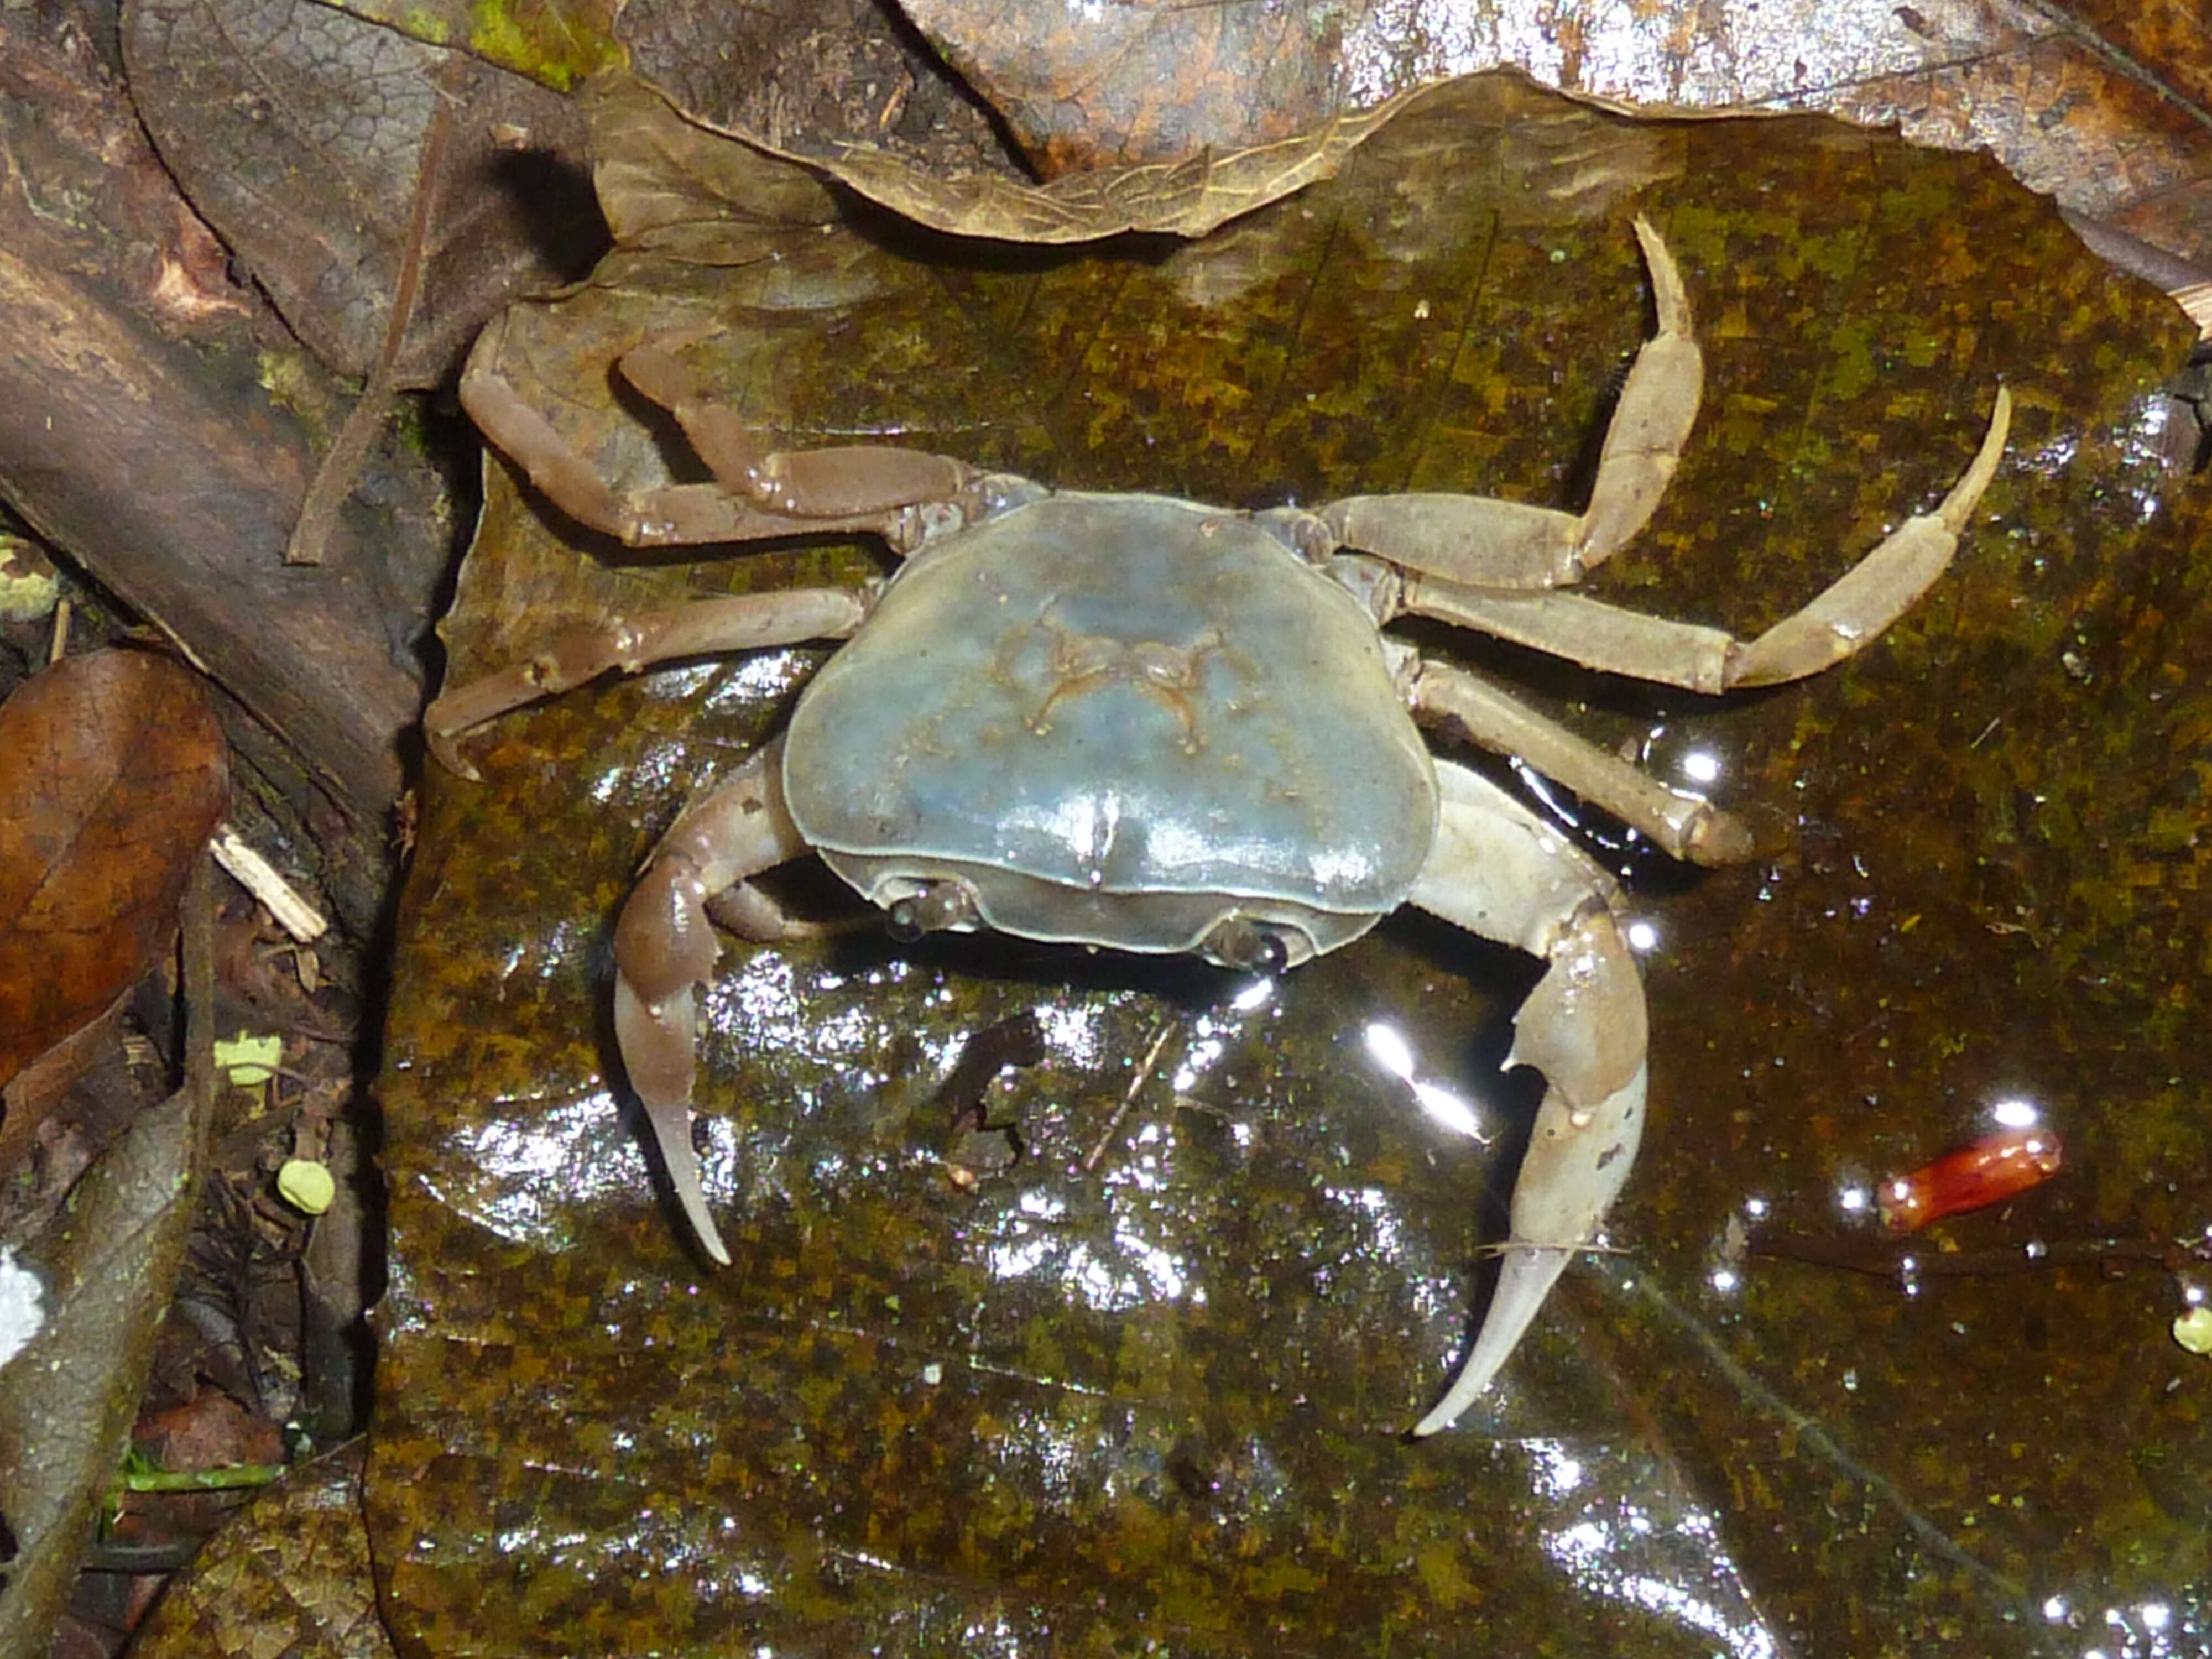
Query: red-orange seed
[1971, 1177]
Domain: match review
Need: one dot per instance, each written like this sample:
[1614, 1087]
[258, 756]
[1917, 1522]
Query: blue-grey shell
[1120, 719]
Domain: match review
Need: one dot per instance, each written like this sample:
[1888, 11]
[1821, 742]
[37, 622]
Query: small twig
[1885, 1260]
[2197, 300]
[1167, 1028]
[259, 877]
[58, 645]
[237, 1476]
[339, 474]
[198, 947]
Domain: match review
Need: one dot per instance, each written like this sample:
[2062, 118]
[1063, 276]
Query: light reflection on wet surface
[1074, 1035]
[2154, 1628]
[1445, 1107]
[743, 683]
[1145, 1270]
[1384, 1229]
[2145, 443]
[545, 1156]
[1658, 1550]
[2015, 1114]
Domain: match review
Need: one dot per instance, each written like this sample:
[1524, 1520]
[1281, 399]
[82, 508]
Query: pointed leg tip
[1434, 1424]
[1470, 1385]
[1960, 504]
[1999, 418]
[691, 1200]
[1718, 839]
[1523, 1286]
[445, 750]
[1671, 298]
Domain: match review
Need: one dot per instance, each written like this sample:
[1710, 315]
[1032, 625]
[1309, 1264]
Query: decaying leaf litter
[2098, 105]
[114, 773]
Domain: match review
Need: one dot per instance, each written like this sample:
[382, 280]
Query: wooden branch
[136, 431]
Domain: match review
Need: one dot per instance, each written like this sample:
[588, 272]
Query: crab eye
[937, 906]
[1248, 947]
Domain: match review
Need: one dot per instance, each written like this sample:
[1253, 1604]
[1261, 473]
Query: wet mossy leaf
[1156, 1394]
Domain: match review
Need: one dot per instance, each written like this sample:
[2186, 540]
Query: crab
[1142, 724]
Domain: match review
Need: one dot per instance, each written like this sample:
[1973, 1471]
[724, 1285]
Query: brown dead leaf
[67, 1402]
[1187, 198]
[210, 1431]
[300, 132]
[805, 77]
[112, 774]
[1113, 85]
[2104, 104]
[659, 177]
[1173, 119]
[2166, 38]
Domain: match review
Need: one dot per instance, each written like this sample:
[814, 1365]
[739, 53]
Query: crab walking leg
[1476, 539]
[1847, 616]
[1879, 589]
[1685, 826]
[1499, 871]
[665, 952]
[744, 621]
[664, 515]
[834, 482]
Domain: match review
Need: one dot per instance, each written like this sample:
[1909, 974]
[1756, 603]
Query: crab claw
[1584, 1027]
[664, 953]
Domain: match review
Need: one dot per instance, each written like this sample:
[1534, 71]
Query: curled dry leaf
[1185, 197]
[112, 775]
[2100, 103]
[657, 164]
